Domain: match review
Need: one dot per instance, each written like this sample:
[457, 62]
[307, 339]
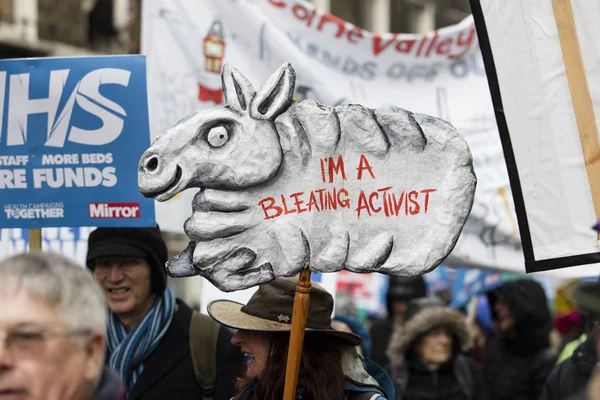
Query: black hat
[406, 288]
[144, 243]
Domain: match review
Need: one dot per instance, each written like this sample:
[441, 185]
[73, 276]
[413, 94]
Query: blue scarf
[128, 350]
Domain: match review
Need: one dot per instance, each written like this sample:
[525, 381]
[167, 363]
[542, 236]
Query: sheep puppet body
[286, 185]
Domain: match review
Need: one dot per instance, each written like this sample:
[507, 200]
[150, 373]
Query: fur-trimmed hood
[404, 337]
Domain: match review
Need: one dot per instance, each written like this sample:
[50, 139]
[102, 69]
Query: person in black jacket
[148, 328]
[518, 358]
[569, 379]
[400, 292]
[427, 355]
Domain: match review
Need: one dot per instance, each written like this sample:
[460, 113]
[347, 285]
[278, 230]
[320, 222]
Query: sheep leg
[371, 256]
[209, 225]
[331, 254]
[181, 265]
[207, 254]
[234, 273]
[292, 249]
[219, 200]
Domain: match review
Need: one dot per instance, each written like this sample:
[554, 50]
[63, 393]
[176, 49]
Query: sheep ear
[237, 89]
[276, 95]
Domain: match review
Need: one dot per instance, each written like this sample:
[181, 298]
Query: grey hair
[61, 283]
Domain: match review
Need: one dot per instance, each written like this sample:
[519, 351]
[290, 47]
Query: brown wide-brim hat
[270, 310]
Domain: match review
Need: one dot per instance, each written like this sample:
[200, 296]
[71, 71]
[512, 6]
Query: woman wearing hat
[330, 368]
[427, 355]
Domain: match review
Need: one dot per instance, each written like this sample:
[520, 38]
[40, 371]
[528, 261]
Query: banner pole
[35, 239]
[299, 316]
[580, 96]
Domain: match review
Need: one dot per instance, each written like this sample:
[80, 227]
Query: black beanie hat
[406, 287]
[144, 243]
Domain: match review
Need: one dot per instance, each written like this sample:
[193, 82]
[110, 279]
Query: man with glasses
[52, 322]
[148, 328]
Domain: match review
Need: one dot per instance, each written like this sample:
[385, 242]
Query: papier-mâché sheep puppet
[286, 185]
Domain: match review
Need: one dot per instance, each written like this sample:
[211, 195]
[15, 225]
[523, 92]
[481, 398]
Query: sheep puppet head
[286, 185]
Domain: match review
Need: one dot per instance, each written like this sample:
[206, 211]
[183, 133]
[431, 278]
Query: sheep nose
[151, 164]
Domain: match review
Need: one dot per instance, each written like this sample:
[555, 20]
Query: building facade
[38, 28]
[402, 16]
[43, 28]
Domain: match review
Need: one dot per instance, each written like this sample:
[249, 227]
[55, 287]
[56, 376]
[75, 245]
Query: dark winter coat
[351, 392]
[517, 367]
[381, 333]
[169, 372]
[458, 379]
[381, 329]
[569, 379]
[110, 386]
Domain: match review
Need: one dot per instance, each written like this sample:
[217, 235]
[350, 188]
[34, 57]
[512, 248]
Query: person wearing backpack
[161, 348]
[330, 366]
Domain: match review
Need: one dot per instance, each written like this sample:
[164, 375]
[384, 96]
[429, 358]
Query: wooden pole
[35, 239]
[580, 96]
[299, 316]
[472, 309]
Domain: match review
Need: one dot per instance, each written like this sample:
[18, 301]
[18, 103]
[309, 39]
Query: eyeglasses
[26, 343]
[105, 264]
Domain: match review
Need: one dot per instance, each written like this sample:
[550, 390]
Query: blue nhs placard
[73, 131]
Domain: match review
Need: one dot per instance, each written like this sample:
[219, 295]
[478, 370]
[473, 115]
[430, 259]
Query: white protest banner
[440, 73]
[544, 83]
[186, 43]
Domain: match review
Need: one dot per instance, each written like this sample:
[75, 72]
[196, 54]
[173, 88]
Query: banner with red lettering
[440, 73]
[542, 60]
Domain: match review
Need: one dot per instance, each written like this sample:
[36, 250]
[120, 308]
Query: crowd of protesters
[115, 330]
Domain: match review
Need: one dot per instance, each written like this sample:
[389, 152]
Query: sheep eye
[217, 136]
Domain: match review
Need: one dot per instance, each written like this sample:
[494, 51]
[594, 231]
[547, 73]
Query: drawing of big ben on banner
[214, 48]
[214, 51]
